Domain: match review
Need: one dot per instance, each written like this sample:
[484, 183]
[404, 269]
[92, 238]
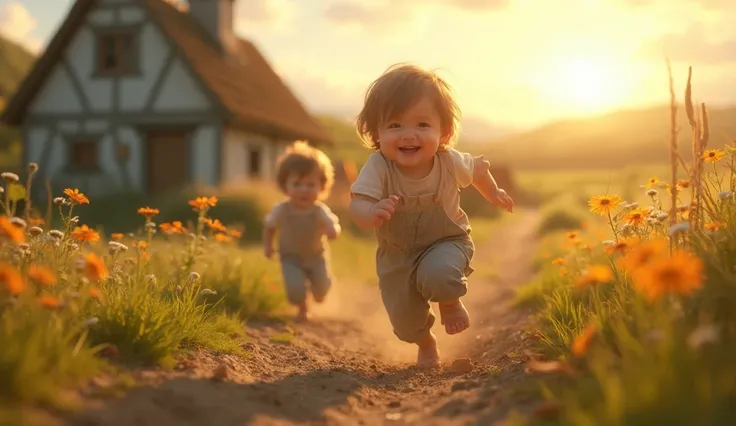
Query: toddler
[305, 174]
[408, 190]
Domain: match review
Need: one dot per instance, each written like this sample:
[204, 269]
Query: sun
[585, 84]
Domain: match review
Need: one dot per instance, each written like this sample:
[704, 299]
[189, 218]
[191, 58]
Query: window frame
[124, 67]
[72, 164]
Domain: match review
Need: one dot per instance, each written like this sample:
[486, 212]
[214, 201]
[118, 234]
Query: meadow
[635, 289]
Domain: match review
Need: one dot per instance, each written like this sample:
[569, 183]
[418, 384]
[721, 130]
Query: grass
[637, 304]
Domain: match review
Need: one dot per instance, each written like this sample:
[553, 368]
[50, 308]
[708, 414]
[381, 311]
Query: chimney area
[216, 17]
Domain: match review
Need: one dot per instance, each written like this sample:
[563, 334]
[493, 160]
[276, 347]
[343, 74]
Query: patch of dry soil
[346, 367]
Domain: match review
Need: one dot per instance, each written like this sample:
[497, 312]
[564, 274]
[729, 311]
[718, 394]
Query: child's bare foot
[303, 315]
[454, 316]
[427, 354]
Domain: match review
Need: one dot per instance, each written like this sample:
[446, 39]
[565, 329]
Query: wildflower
[91, 321]
[36, 221]
[702, 335]
[627, 230]
[42, 275]
[631, 205]
[652, 182]
[194, 276]
[50, 302]
[620, 247]
[11, 279]
[679, 273]
[712, 155]
[222, 238]
[662, 217]
[32, 168]
[56, 234]
[9, 177]
[203, 203]
[603, 204]
[582, 342]
[642, 253]
[95, 293]
[235, 233]
[724, 195]
[151, 225]
[215, 225]
[683, 183]
[714, 226]
[652, 192]
[20, 223]
[636, 217]
[35, 231]
[207, 292]
[76, 197]
[596, 274]
[559, 261]
[85, 234]
[116, 247]
[10, 231]
[94, 268]
[564, 272]
[679, 228]
[148, 212]
[140, 245]
[174, 227]
[59, 201]
[150, 279]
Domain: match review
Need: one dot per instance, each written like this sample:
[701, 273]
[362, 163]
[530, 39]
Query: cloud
[274, 14]
[692, 46]
[17, 24]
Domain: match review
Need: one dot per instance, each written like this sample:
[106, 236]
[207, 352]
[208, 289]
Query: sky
[512, 63]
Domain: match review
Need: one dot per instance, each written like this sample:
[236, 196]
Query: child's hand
[268, 251]
[332, 230]
[382, 210]
[502, 199]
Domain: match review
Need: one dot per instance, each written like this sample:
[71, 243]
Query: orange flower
[11, 279]
[141, 245]
[36, 221]
[652, 182]
[117, 236]
[215, 225]
[95, 293]
[49, 302]
[582, 342]
[84, 233]
[222, 238]
[559, 261]
[596, 274]
[642, 253]
[42, 275]
[148, 212]
[683, 183]
[235, 233]
[94, 268]
[174, 227]
[203, 203]
[680, 273]
[75, 196]
[636, 217]
[714, 226]
[10, 231]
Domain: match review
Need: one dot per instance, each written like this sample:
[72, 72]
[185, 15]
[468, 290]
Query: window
[254, 162]
[116, 52]
[83, 155]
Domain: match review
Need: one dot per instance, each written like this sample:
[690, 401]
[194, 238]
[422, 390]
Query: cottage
[139, 95]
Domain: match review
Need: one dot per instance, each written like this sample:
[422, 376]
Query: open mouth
[409, 149]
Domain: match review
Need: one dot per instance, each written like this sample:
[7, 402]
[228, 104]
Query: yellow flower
[652, 182]
[148, 211]
[95, 268]
[603, 204]
[582, 342]
[680, 273]
[11, 279]
[596, 274]
[636, 217]
[202, 203]
[713, 155]
[42, 275]
[75, 196]
[84, 233]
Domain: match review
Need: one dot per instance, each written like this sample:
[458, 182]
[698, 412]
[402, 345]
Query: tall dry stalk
[700, 134]
[673, 145]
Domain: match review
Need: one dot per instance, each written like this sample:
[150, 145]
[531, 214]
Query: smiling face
[303, 190]
[412, 138]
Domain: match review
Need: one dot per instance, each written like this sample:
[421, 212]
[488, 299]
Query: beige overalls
[423, 255]
[304, 253]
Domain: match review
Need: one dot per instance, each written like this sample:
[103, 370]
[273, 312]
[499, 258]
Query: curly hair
[302, 159]
[397, 89]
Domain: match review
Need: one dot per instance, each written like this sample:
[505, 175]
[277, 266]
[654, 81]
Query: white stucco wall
[204, 150]
[135, 91]
[237, 146]
[180, 92]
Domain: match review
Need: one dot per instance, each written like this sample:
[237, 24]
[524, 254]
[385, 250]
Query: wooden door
[168, 161]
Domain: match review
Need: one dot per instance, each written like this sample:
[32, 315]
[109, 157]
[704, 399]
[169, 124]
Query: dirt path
[346, 368]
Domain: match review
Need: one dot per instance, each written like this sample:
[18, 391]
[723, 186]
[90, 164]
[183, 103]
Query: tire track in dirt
[346, 367]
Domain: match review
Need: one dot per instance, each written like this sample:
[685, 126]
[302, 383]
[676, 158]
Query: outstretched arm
[484, 182]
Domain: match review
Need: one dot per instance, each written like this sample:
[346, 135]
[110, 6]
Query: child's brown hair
[397, 89]
[302, 159]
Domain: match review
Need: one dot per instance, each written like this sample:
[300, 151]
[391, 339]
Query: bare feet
[428, 356]
[303, 315]
[454, 316]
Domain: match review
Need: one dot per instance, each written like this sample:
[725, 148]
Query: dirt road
[346, 368]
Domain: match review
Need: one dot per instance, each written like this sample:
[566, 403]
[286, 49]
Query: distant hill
[617, 139]
[15, 62]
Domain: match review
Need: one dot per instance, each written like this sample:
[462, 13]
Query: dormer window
[117, 52]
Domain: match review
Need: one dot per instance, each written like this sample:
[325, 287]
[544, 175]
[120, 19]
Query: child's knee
[440, 282]
[411, 320]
